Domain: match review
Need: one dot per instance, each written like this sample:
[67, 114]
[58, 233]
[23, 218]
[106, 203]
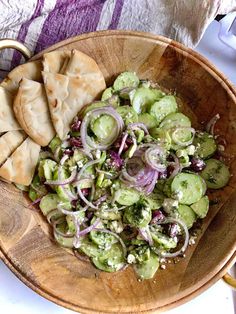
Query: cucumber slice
[148, 269]
[216, 174]
[111, 260]
[174, 120]
[187, 215]
[163, 240]
[148, 120]
[188, 187]
[163, 107]
[48, 203]
[108, 92]
[128, 114]
[126, 79]
[138, 215]
[145, 97]
[171, 122]
[103, 126]
[63, 241]
[90, 248]
[201, 207]
[162, 135]
[108, 215]
[102, 239]
[127, 196]
[205, 145]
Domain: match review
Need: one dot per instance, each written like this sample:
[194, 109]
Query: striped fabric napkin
[41, 23]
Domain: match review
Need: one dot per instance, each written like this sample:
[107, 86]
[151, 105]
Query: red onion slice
[211, 124]
[87, 142]
[88, 229]
[186, 234]
[176, 165]
[58, 232]
[146, 235]
[122, 145]
[138, 125]
[153, 156]
[84, 199]
[63, 182]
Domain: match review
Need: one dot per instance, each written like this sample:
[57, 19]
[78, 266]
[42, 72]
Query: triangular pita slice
[31, 109]
[56, 61]
[81, 65]
[66, 97]
[9, 143]
[8, 121]
[30, 70]
[20, 166]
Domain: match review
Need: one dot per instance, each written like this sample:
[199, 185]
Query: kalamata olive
[76, 142]
[75, 126]
[197, 164]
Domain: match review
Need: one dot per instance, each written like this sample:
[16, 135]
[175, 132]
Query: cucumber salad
[130, 179]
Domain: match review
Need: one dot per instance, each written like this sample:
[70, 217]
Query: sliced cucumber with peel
[148, 269]
[205, 145]
[201, 207]
[144, 98]
[161, 108]
[188, 188]
[126, 80]
[128, 114]
[148, 120]
[216, 174]
[187, 214]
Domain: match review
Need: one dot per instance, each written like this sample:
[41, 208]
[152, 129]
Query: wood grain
[25, 238]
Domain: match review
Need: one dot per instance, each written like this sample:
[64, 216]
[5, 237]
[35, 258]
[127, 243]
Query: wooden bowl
[25, 240]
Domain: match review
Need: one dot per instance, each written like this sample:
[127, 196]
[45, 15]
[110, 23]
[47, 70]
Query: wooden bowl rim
[209, 67]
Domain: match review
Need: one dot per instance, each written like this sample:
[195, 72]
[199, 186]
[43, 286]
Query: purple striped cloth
[41, 23]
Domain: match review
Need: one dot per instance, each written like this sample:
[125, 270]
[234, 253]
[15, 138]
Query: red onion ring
[87, 142]
[63, 182]
[58, 232]
[84, 199]
[186, 240]
[211, 124]
[151, 154]
[138, 125]
[88, 229]
[122, 145]
[146, 235]
[176, 164]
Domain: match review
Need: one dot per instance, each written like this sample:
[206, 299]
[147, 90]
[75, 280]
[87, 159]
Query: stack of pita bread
[38, 101]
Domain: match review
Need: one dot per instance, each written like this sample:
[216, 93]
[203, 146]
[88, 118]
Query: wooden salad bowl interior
[26, 244]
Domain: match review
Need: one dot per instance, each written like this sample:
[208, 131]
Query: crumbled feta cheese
[131, 259]
[178, 195]
[97, 154]
[169, 204]
[221, 148]
[190, 149]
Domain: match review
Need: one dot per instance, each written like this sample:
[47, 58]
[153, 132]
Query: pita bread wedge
[56, 61]
[20, 166]
[30, 70]
[31, 109]
[9, 142]
[8, 121]
[66, 97]
[81, 65]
